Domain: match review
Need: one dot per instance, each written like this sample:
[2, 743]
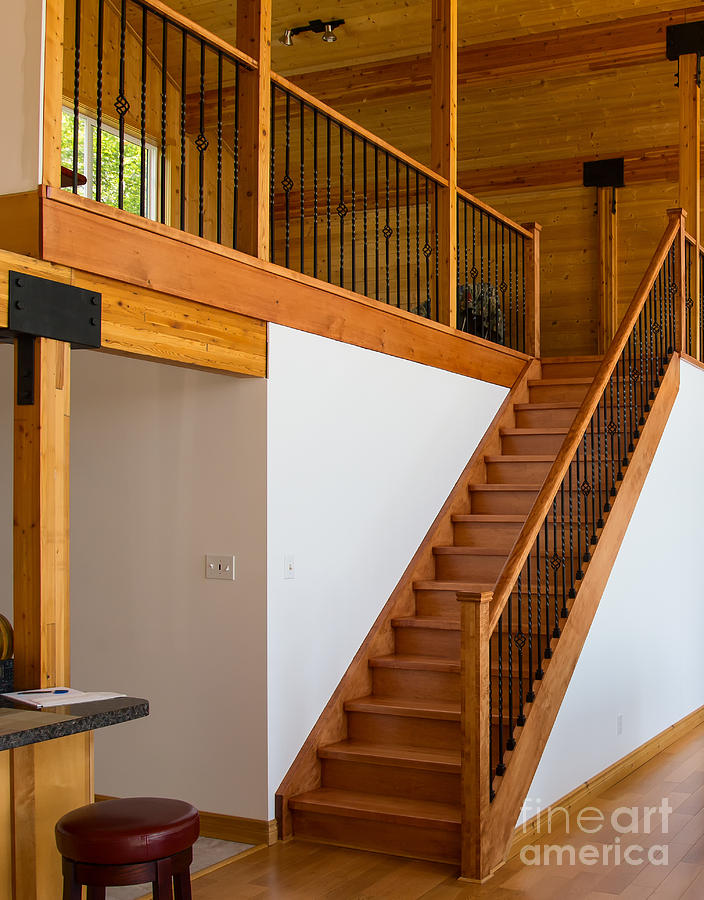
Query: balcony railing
[153, 122]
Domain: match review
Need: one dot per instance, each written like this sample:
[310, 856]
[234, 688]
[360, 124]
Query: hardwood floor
[305, 871]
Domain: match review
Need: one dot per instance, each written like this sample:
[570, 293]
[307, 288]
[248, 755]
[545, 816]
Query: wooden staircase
[393, 784]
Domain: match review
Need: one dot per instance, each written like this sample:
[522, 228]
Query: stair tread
[414, 662]
[441, 623]
[519, 486]
[464, 586]
[397, 754]
[397, 810]
[406, 706]
[550, 404]
[556, 382]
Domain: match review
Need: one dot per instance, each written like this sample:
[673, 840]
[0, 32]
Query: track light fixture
[317, 26]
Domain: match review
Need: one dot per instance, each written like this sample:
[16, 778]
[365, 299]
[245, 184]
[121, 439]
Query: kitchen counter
[20, 726]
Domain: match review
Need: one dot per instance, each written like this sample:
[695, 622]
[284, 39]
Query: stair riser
[438, 845]
[578, 369]
[517, 472]
[547, 393]
[502, 502]
[458, 567]
[411, 730]
[428, 642]
[446, 604]
[531, 444]
[416, 684]
[499, 536]
[544, 418]
[391, 781]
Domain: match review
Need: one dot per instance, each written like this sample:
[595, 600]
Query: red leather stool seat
[136, 829]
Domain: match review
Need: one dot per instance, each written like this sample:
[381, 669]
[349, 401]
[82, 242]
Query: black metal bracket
[601, 173]
[317, 26]
[38, 307]
[682, 40]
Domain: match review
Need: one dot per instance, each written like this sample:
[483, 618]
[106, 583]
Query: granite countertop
[20, 726]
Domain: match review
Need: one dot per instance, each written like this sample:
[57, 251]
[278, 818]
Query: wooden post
[532, 277]
[476, 764]
[50, 778]
[689, 172]
[680, 275]
[53, 92]
[443, 149]
[254, 38]
[608, 266]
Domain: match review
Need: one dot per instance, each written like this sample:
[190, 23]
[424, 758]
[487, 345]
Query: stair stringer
[512, 788]
[305, 773]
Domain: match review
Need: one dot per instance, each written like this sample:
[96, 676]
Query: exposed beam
[608, 266]
[690, 150]
[624, 42]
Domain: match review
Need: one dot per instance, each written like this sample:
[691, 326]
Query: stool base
[161, 873]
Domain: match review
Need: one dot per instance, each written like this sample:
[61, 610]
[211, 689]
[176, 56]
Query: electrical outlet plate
[221, 568]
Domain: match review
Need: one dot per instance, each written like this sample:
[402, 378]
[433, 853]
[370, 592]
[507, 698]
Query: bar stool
[130, 841]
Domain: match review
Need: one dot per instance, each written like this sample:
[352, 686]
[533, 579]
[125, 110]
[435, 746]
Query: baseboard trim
[231, 828]
[582, 796]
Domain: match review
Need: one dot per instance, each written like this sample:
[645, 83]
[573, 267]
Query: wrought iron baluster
[539, 611]
[366, 230]
[600, 504]
[579, 574]
[353, 165]
[272, 181]
[408, 238]
[418, 303]
[387, 232]
[555, 562]
[184, 72]
[328, 152]
[201, 144]
[164, 107]
[236, 164]
[287, 183]
[342, 207]
[376, 222]
[546, 538]
[572, 593]
[398, 238]
[436, 254]
[99, 103]
[143, 121]
[631, 425]
[218, 201]
[76, 93]
[564, 611]
[510, 743]
[492, 769]
[530, 696]
[500, 767]
[315, 192]
[302, 197]
[122, 106]
[605, 419]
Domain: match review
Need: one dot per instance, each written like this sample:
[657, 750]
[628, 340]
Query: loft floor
[298, 870]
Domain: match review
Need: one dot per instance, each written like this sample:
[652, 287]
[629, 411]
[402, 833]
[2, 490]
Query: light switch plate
[222, 568]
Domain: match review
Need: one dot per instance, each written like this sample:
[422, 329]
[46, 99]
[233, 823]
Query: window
[110, 164]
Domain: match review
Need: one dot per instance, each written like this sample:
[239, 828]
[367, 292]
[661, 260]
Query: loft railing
[157, 112]
[514, 631]
[694, 299]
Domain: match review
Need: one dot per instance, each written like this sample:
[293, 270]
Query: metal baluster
[483, 321]
[593, 491]
[631, 427]
[492, 793]
[184, 66]
[660, 332]
[315, 193]
[218, 222]
[437, 255]
[642, 378]
[586, 491]
[408, 238]
[635, 375]
[510, 742]
[500, 768]
[398, 240]
[418, 303]
[201, 144]
[546, 538]
[376, 221]
[387, 232]
[600, 520]
[122, 105]
[579, 574]
[143, 121]
[523, 270]
[287, 183]
[619, 474]
[99, 104]
[342, 208]
[272, 182]
[503, 287]
[539, 611]
[605, 417]
[77, 92]
[564, 611]
[353, 164]
[302, 170]
[427, 250]
[573, 592]
[621, 375]
[366, 235]
[530, 696]
[329, 235]
[555, 563]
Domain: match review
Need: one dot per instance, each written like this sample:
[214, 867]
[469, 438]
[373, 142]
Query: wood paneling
[19, 222]
[5, 826]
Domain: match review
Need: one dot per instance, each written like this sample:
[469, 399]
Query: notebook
[59, 696]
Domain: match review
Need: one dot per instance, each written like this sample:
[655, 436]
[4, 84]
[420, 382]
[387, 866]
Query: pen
[56, 691]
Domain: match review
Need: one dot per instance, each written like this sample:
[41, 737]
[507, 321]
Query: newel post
[476, 724]
[681, 343]
[531, 274]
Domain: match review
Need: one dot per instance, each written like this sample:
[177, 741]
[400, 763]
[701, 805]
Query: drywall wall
[642, 658]
[167, 464]
[363, 450]
[22, 78]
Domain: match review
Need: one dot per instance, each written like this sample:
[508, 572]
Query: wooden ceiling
[377, 30]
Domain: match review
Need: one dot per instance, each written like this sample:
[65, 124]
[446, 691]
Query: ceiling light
[287, 39]
[317, 26]
[329, 34]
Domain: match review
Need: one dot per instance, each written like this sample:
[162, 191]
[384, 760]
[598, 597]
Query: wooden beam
[476, 716]
[53, 92]
[443, 149]
[41, 519]
[608, 266]
[690, 170]
[254, 39]
[532, 277]
[145, 254]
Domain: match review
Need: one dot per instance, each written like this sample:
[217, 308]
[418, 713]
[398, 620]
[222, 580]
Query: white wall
[21, 77]
[363, 450]
[643, 656]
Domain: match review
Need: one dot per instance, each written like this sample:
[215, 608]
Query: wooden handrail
[197, 31]
[541, 507]
[494, 213]
[312, 101]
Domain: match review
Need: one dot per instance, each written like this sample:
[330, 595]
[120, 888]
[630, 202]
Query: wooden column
[476, 764]
[680, 275]
[443, 149]
[254, 39]
[689, 171]
[532, 276]
[608, 266]
[53, 92]
[46, 779]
